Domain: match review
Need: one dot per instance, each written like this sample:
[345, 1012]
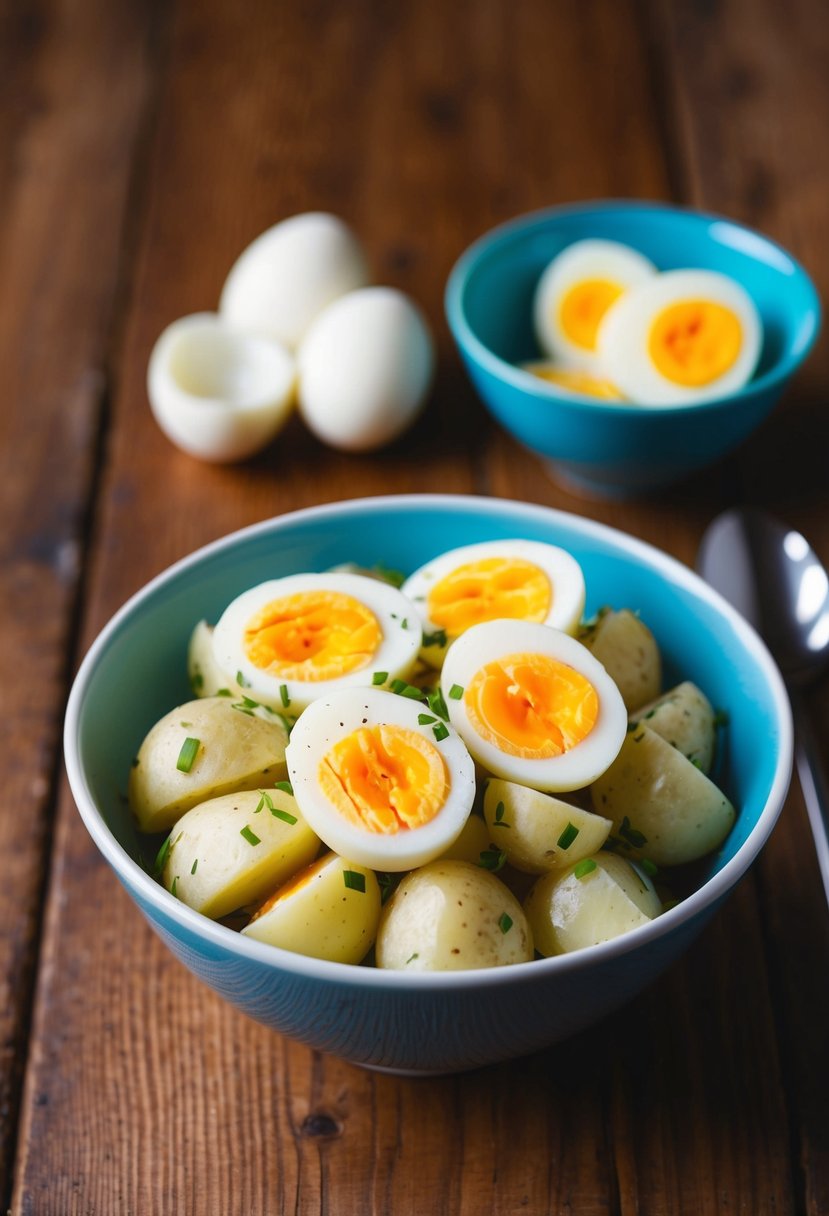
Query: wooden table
[142, 145]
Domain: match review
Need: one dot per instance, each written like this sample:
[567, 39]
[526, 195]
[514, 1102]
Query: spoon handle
[812, 779]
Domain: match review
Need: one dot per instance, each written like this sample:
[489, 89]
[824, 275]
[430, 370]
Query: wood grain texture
[421, 124]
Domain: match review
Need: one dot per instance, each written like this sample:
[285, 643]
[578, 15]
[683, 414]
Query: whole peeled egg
[365, 367]
[290, 273]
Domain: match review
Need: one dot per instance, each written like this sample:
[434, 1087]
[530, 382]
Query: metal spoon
[773, 577]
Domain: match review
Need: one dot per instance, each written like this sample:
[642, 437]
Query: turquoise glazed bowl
[442, 1022]
[608, 447]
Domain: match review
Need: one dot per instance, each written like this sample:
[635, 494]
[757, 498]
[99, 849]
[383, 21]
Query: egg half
[290, 640]
[494, 580]
[379, 779]
[574, 293]
[681, 337]
[533, 705]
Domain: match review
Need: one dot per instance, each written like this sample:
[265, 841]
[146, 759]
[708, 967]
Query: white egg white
[290, 273]
[395, 656]
[624, 333]
[560, 568]
[331, 719]
[582, 261]
[217, 393]
[574, 768]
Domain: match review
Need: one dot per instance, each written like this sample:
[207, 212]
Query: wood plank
[74, 87]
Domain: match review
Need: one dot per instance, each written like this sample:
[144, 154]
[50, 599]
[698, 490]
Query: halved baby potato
[629, 652]
[206, 677]
[685, 718]
[539, 832]
[594, 900]
[230, 852]
[230, 749]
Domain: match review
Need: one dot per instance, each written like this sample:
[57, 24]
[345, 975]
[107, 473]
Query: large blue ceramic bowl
[422, 1023]
[606, 447]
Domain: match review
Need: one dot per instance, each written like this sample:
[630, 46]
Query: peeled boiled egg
[365, 367]
[532, 704]
[575, 291]
[681, 337]
[290, 640]
[573, 380]
[219, 394]
[519, 579]
[379, 779]
[290, 273]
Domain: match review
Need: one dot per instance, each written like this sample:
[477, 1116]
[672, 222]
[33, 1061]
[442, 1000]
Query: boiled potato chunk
[329, 910]
[628, 651]
[588, 904]
[452, 916]
[230, 852]
[206, 677]
[236, 750]
[662, 806]
[685, 718]
[537, 831]
[473, 840]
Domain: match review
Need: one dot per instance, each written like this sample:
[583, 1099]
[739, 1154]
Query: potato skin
[652, 791]
[237, 751]
[452, 916]
[627, 649]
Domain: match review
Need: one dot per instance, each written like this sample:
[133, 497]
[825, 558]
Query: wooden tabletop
[143, 143]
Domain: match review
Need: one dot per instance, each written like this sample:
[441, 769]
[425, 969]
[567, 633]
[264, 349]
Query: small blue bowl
[612, 448]
[423, 1023]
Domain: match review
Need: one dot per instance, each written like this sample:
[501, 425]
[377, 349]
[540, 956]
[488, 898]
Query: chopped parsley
[189, 751]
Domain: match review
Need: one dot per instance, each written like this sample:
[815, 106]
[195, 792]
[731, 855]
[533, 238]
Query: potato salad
[442, 771]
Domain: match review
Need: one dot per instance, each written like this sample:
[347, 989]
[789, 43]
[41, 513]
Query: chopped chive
[412, 957]
[500, 811]
[285, 816]
[406, 690]
[173, 886]
[285, 787]
[567, 836]
[404, 624]
[194, 865]
[649, 867]
[585, 867]
[197, 682]
[437, 638]
[386, 884]
[395, 577]
[441, 731]
[354, 880]
[456, 692]
[493, 859]
[161, 855]
[241, 681]
[505, 923]
[249, 835]
[631, 835]
[437, 704]
[284, 696]
[189, 751]
[425, 719]
[223, 692]
[379, 677]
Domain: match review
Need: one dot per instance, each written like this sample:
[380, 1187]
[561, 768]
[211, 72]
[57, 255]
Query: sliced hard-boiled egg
[681, 337]
[576, 290]
[291, 273]
[533, 705]
[217, 393]
[329, 910]
[290, 640]
[493, 580]
[573, 380]
[380, 779]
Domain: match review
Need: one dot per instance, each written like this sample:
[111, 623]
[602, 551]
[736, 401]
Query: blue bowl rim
[220, 937]
[467, 339]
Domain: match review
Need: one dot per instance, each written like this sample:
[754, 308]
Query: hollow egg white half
[575, 291]
[494, 580]
[290, 640]
[379, 779]
[217, 393]
[533, 705]
[682, 337]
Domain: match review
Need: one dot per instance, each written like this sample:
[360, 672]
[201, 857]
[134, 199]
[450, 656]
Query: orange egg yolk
[576, 382]
[582, 307]
[299, 880]
[312, 635]
[531, 705]
[489, 590]
[384, 779]
[694, 342]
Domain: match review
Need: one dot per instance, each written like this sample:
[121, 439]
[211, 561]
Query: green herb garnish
[285, 787]
[583, 868]
[425, 719]
[379, 677]
[455, 692]
[406, 690]
[441, 731]
[437, 638]
[189, 751]
[631, 835]
[437, 704]
[500, 811]
[194, 865]
[505, 923]
[161, 855]
[249, 835]
[354, 880]
[567, 836]
[284, 695]
[395, 577]
[241, 681]
[493, 859]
